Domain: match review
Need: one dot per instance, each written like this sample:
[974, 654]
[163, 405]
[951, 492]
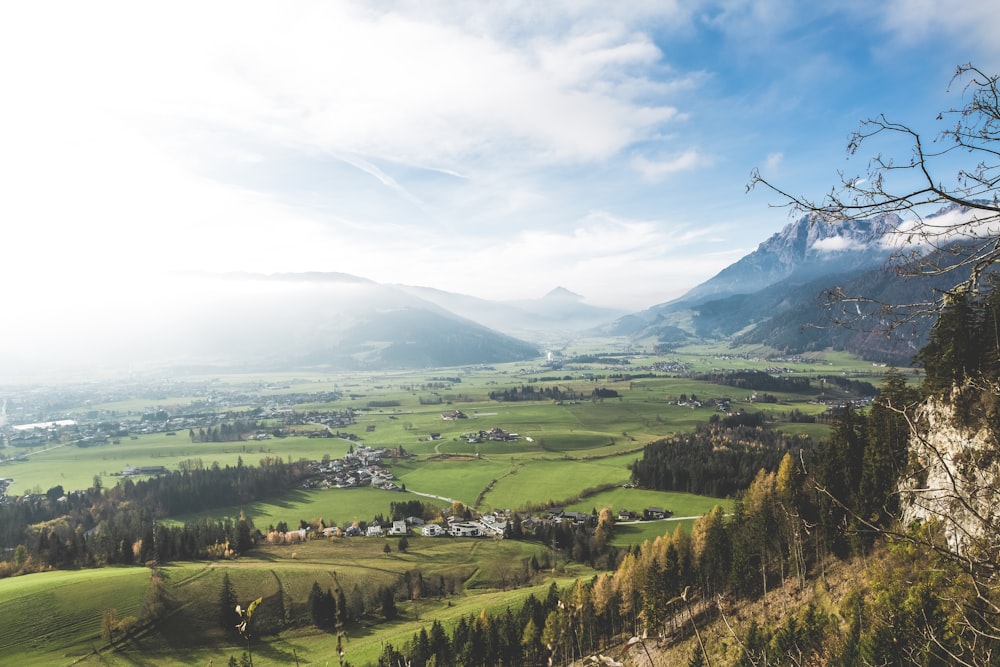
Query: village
[365, 466]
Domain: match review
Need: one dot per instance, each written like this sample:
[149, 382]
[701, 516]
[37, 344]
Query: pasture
[75, 467]
[55, 617]
[566, 451]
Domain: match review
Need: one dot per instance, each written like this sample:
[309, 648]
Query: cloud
[916, 22]
[655, 170]
[836, 244]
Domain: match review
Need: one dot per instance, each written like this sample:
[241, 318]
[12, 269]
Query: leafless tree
[955, 467]
[959, 168]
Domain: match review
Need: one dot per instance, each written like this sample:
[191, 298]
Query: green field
[61, 611]
[75, 467]
[566, 452]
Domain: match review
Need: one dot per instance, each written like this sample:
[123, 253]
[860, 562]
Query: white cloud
[836, 244]
[655, 170]
[917, 22]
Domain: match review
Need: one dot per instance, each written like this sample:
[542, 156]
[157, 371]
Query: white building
[432, 530]
[464, 529]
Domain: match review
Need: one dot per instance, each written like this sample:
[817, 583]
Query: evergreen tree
[387, 603]
[952, 353]
[228, 618]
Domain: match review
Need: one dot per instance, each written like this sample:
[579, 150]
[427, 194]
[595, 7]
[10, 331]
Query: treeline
[515, 637]
[782, 528]
[718, 459]
[751, 380]
[610, 359]
[226, 431]
[964, 353]
[756, 381]
[121, 525]
[532, 393]
[553, 393]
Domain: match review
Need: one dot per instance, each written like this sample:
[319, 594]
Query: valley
[571, 453]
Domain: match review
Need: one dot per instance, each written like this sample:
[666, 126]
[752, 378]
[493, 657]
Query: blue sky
[498, 149]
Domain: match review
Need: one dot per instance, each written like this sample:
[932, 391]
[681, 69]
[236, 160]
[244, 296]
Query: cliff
[955, 464]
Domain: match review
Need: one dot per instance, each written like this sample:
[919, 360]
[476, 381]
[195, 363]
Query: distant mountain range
[337, 321]
[779, 295]
[327, 320]
[773, 296]
[560, 314]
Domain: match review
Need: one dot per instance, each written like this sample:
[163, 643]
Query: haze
[493, 149]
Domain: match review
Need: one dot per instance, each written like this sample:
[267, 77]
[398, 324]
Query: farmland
[572, 454]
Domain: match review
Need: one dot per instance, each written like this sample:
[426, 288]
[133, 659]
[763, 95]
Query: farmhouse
[492, 526]
[578, 518]
[398, 528]
[432, 530]
[374, 531]
[464, 529]
[655, 513]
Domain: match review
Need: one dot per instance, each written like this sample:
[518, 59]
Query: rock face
[957, 478]
[803, 250]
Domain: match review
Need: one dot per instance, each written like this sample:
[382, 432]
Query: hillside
[560, 313]
[796, 293]
[281, 322]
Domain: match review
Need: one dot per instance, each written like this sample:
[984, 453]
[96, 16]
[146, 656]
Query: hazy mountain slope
[775, 295]
[804, 250]
[558, 313]
[795, 318]
[288, 321]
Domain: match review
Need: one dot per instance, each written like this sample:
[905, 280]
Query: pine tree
[228, 618]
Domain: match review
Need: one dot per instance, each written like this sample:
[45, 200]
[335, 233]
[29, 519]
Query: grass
[339, 507]
[681, 504]
[61, 611]
[75, 467]
[573, 447]
[46, 617]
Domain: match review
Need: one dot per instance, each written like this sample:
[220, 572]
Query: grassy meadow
[55, 617]
[566, 454]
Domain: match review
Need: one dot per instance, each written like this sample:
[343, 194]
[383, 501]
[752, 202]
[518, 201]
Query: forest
[925, 604]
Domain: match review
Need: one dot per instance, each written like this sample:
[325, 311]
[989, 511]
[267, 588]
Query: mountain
[255, 322]
[780, 295]
[342, 321]
[559, 313]
[804, 250]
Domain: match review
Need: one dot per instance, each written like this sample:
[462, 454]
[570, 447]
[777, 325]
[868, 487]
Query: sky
[497, 149]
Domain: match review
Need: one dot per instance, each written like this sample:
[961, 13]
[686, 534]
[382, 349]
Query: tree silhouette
[959, 248]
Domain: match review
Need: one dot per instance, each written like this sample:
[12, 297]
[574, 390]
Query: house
[398, 528]
[496, 528]
[432, 530]
[464, 529]
[578, 518]
[655, 513]
[352, 531]
[415, 521]
[374, 531]
[626, 515]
